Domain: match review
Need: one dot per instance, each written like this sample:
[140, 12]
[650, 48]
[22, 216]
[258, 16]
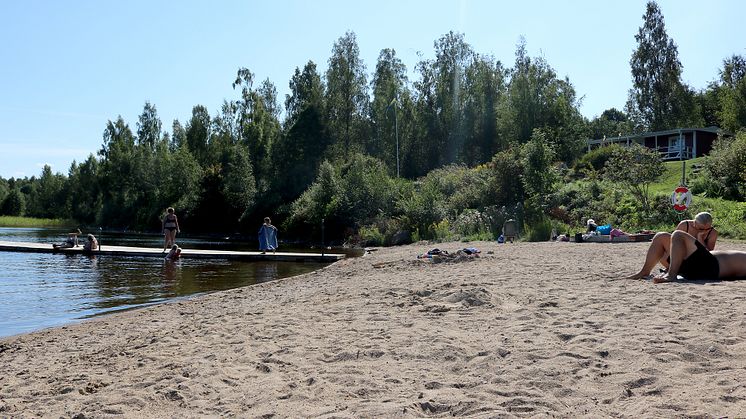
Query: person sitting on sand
[700, 227]
[72, 240]
[91, 244]
[174, 253]
[692, 260]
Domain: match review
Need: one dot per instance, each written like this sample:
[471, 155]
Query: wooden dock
[6, 246]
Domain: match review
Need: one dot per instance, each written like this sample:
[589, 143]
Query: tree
[259, 127]
[297, 154]
[658, 99]
[118, 181]
[84, 197]
[635, 167]
[148, 126]
[536, 98]
[198, 135]
[388, 85]
[538, 175]
[48, 200]
[611, 123]
[14, 203]
[732, 93]
[485, 84]
[346, 94]
[178, 136]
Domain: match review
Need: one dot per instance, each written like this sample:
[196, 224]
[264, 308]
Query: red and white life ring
[681, 198]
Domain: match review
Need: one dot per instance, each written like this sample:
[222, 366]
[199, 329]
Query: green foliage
[478, 143]
[371, 236]
[14, 203]
[538, 177]
[346, 95]
[421, 207]
[724, 170]
[731, 93]
[474, 225]
[636, 167]
[611, 123]
[595, 160]
[537, 99]
[658, 99]
[346, 194]
[505, 180]
[539, 231]
[28, 222]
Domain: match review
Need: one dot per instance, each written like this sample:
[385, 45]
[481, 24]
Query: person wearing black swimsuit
[170, 228]
[691, 259]
[700, 228]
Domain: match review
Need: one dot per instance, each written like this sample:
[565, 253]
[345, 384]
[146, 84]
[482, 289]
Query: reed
[11, 221]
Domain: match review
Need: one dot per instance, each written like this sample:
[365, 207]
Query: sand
[534, 329]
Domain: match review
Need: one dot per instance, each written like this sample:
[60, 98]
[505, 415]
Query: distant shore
[528, 329]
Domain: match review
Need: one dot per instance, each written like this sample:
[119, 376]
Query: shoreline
[532, 329]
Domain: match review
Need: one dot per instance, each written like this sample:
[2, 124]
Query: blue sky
[69, 67]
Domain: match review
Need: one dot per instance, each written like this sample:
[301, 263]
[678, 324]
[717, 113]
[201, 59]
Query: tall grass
[10, 221]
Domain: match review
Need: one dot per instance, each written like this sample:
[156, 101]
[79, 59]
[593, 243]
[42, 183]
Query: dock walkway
[7, 246]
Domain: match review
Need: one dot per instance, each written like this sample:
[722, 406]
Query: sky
[69, 67]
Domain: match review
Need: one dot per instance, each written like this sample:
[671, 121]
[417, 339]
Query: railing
[675, 153]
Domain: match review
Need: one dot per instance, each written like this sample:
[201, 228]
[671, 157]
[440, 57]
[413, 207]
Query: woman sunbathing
[692, 260]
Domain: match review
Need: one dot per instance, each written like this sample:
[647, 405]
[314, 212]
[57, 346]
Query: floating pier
[6, 246]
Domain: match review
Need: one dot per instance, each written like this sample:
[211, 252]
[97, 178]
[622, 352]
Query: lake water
[39, 290]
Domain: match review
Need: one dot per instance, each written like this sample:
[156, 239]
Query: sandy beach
[532, 329]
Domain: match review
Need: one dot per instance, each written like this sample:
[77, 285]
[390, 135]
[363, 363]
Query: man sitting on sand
[692, 260]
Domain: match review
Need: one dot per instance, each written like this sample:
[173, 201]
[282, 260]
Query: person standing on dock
[267, 236]
[170, 228]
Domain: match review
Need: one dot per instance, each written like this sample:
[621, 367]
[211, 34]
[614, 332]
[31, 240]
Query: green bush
[539, 231]
[724, 171]
[595, 160]
[472, 223]
[371, 236]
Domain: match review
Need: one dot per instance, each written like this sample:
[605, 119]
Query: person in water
[174, 253]
[267, 236]
[170, 227]
[692, 260]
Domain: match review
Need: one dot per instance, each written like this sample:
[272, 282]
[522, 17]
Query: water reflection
[39, 290]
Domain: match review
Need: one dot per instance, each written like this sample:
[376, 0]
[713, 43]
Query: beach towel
[267, 238]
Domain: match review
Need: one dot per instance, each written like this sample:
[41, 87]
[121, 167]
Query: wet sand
[534, 329]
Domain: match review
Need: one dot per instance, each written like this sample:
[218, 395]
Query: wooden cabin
[674, 144]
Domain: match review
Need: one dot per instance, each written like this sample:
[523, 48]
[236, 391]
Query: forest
[384, 159]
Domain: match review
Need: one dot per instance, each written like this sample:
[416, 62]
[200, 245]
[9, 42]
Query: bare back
[732, 263]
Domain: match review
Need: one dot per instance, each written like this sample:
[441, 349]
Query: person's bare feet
[661, 278]
[639, 275]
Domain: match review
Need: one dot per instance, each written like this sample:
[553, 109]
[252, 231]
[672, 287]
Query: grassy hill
[730, 216]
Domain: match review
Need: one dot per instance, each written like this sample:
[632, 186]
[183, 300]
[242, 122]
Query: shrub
[724, 171]
[595, 160]
[371, 236]
[539, 231]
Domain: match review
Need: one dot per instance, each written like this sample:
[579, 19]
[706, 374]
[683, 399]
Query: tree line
[345, 139]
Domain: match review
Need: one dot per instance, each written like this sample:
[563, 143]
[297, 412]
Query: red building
[675, 144]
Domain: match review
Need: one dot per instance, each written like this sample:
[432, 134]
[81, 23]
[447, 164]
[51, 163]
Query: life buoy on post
[681, 198]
